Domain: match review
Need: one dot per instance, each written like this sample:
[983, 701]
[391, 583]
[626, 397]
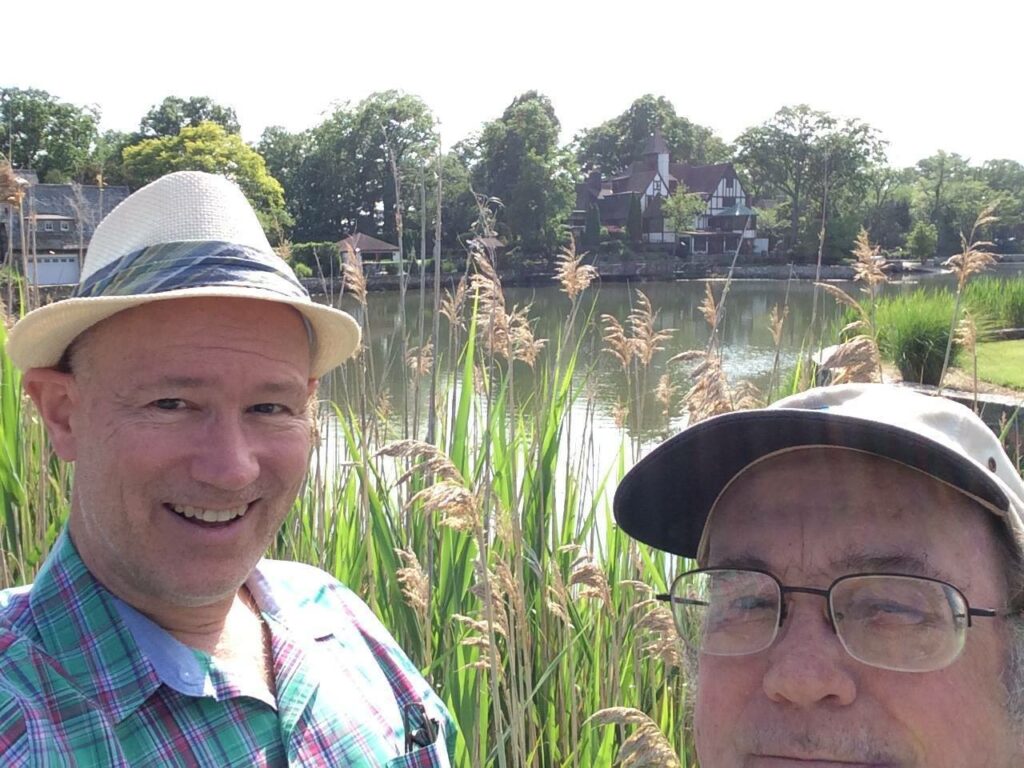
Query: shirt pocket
[434, 756]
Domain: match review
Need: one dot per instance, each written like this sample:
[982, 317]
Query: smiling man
[856, 597]
[180, 381]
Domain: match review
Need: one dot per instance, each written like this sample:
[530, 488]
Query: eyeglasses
[892, 621]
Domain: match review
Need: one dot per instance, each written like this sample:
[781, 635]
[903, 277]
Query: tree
[635, 221]
[52, 137]
[613, 145]
[208, 147]
[682, 208]
[174, 113]
[819, 164]
[922, 240]
[339, 175]
[949, 194]
[520, 163]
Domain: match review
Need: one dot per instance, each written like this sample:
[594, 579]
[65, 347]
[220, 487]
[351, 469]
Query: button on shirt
[87, 680]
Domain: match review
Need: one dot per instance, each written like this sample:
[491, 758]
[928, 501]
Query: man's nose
[227, 459]
[807, 664]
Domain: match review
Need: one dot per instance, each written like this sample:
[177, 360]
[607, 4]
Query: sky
[928, 75]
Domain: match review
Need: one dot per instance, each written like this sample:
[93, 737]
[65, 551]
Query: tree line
[374, 167]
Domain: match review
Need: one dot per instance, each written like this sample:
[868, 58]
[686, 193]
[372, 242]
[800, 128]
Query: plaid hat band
[175, 266]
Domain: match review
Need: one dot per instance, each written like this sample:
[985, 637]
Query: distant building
[726, 222]
[59, 222]
[374, 253]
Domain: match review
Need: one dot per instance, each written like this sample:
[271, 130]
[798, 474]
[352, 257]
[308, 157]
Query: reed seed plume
[974, 256]
[574, 276]
[867, 268]
[479, 637]
[620, 413]
[616, 342]
[523, 345]
[10, 189]
[776, 321]
[420, 359]
[664, 392]
[435, 461]
[710, 395]
[414, 583]
[355, 277]
[646, 339]
[457, 504]
[592, 581]
[453, 304]
[856, 360]
[708, 307]
[557, 598]
[646, 747]
[658, 633]
[383, 406]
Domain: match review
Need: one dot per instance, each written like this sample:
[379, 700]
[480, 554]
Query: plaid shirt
[77, 688]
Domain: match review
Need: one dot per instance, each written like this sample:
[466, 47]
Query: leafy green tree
[208, 147]
[52, 137]
[922, 240]
[174, 113]
[815, 162]
[682, 208]
[949, 194]
[340, 175]
[613, 145]
[520, 163]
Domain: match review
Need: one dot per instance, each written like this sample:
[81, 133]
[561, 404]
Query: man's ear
[56, 397]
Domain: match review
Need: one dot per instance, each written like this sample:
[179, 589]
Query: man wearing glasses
[856, 596]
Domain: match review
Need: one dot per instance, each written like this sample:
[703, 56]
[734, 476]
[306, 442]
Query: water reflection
[749, 352]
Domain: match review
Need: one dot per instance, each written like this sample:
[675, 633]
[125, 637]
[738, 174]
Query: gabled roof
[701, 178]
[655, 144]
[62, 201]
[637, 182]
[361, 243]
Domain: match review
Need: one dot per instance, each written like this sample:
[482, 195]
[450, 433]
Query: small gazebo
[370, 249]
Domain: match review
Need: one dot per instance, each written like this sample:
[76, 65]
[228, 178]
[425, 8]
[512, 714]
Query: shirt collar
[82, 629]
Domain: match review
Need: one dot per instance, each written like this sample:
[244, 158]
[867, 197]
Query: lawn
[1000, 362]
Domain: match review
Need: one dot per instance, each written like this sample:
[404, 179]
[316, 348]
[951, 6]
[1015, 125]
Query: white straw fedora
[188, 234]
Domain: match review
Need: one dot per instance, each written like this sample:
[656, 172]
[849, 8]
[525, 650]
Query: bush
[913, 331]
[996, 303]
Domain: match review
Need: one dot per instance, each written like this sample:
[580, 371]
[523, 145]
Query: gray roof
[702, 178]
[71, 203]
[363, 243]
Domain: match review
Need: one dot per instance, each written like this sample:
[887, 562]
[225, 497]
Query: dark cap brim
[665, 499]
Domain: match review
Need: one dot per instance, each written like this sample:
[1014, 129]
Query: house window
[728, 183]
[728, 202]
[64, 226]
[657, 187]
[48, 226]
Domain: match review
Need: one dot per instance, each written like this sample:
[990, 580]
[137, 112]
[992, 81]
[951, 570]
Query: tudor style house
[727, 221]
[59, 221]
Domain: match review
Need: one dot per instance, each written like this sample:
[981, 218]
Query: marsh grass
[488, 549]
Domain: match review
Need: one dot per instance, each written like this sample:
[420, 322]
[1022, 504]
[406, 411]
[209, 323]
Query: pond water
[748, 350]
